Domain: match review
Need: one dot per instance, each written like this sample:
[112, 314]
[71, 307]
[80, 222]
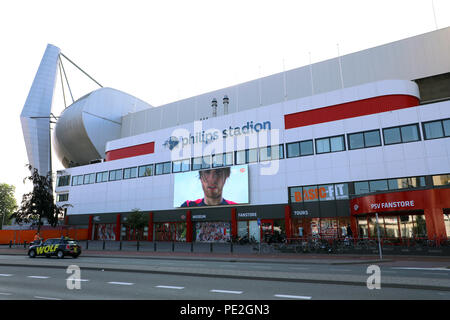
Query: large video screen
[211, 187]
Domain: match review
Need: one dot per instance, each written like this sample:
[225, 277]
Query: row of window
[359, 140]
[366, 139]
[340, 191]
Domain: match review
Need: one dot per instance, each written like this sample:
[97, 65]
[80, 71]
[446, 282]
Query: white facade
[269, 181]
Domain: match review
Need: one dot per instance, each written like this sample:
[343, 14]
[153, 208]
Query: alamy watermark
[374, 280]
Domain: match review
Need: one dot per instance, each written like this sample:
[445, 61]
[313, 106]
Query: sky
[164, 51]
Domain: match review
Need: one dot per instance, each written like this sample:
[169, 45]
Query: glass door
[266, 229]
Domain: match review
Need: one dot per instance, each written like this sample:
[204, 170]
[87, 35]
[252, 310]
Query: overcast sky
[164, 51]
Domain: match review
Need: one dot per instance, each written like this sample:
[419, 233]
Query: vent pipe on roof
[225, 104]
[214, 107]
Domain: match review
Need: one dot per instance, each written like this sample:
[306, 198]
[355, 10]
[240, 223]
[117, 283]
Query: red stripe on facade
[350, 110]
[132, 151]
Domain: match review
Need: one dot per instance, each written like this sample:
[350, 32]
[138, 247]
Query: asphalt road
[127, 278]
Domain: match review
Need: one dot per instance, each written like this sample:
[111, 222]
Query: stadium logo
[171, 143]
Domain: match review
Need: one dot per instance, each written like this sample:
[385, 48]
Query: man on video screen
[213, 182]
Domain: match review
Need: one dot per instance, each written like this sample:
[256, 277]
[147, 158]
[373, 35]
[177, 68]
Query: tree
[8, 203]
[39, 203]
[137, 221]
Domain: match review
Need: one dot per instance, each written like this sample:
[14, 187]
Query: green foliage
[137, 219]
[39, 203]
[8, 203]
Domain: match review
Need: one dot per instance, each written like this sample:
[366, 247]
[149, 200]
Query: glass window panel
[341, 191]
[159, 169]
[218, 160]
[265, 153]
[293, 150]
[306, 148]
[146, 171]
[392, 135]
[310, 193]
[391, 225]
[378, 185]
[446, 124]
[356, 141]
[252, 155]
[206, 162]
[228, 159]
[362, 187]
[447, 223]
[410, 133]
[337, 144]
[374, 227]
[433, 130]
[406, 226]
[167, 166]
[420, 226]
[372, 138]
[176, 166]
[240, 157]
[441, 180]
[295, 194]
[326, 192]
[185, 165]
[362, 227]
[197, 163]
[323, 145]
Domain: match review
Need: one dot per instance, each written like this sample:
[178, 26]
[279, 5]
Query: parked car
[59, 247]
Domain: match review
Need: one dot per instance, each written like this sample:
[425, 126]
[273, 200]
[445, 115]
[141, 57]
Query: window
[115, 175]
[246, 156]
[378, 185]
[89, 178]
[436, 129]
[77, 180]
[331, 144]
[222, 159]
[441, 180]
[163, 168]
[406, 183]
[364, 139]
[130, 173]
[271, 153]
[63, 197]
[102, 177]
[181, 165]
[145, 171]
[63, 181]
[201, 163]
[401, 134]
[361, 187]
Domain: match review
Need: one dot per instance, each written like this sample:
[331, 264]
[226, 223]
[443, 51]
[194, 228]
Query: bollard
[104, 243]
[120, 245]
[231, 246]
[137, 246]
[210, 247]
[87, 244]
[25, 244]
[154, 246]
[10, 244]
[192, 246]
[173, 246]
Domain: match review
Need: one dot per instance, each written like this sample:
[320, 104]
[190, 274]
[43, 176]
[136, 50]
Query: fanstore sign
[207, 137]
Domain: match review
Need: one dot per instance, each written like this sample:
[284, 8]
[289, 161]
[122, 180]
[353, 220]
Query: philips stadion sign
[207, 137]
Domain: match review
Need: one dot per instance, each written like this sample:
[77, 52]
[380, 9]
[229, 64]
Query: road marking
[225, 291]
[5, 275]
[38, 277]
[5, 294]
[291, 297]
[46, 298]
[298, 268]
[121, 283]
[170, 287]
[416, 268]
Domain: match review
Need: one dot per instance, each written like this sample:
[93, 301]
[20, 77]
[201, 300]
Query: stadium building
[305, 152]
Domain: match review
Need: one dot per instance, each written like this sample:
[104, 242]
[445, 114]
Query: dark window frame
[441, 121]
[419, 137]
[364, 139]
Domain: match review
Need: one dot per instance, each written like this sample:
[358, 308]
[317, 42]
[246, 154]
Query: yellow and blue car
[59, 247]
